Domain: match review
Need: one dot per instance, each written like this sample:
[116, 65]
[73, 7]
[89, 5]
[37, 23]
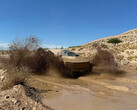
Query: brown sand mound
[21, 98]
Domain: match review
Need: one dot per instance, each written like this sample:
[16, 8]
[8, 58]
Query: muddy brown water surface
[92, 92]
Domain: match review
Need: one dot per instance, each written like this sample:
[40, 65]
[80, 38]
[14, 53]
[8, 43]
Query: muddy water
[92, 92]
[85, 101]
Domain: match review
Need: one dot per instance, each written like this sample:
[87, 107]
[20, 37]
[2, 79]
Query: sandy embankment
[20, 97]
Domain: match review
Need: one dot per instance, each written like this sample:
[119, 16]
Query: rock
[6, 97]
[2, 78]
[15, 89]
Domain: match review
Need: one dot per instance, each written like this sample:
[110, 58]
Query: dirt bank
[21, 98]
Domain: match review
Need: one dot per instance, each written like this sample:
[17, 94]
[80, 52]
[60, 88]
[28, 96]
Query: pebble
[2, 78]
[6, 97]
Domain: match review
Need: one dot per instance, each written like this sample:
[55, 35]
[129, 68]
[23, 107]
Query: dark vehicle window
[68, 53]
[64, 53]
[72, 54]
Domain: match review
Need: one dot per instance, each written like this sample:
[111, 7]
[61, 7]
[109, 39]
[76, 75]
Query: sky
[65, 22]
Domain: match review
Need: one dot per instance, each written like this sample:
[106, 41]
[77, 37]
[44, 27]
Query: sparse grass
[131, 52]
[120, 57]
[133, 47]
[73, 49]
[131, 57]
[95, 44]
[135, 56]
[104, 46]
[3, 52]
[128, 52]
[74, 46]
[81, 48]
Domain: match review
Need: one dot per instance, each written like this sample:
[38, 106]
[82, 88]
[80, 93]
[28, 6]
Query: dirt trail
[74, 87]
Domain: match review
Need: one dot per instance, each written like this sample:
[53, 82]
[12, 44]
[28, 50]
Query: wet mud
[92, 92]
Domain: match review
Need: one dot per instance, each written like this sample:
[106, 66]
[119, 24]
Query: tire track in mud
[106, 85]
[126, 80]
[115, 87]
[74, 87]
[132, 82]
[119, 87]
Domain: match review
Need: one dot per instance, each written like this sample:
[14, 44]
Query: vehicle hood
[78, 59]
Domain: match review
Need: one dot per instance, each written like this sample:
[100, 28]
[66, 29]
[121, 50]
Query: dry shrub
[20, 50]
[26, 57]
[104, 46]
[95, 44]
[28, 54]
[104, 61]
[16, 64]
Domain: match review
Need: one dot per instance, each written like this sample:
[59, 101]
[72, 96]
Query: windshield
[68, 53]
[72, 54]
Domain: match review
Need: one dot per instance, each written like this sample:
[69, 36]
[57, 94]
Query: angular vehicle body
[75, 62]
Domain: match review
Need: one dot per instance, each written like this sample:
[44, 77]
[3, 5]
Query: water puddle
[69, 100]
[89, 92]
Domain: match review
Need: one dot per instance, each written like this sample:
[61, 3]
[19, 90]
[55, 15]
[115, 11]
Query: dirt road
[93, 92]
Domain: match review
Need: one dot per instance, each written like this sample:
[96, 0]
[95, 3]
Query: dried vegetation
[26, 57]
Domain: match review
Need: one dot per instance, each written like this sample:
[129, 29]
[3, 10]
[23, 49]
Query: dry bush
[28, 54]
[2, 52]
[26, 57]
[81, 48]
[20, 50]
[133, 47]
[73, 49]
[104, 46]
[130, 57]
[16, 64]
[95, 44]
[105, 61]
